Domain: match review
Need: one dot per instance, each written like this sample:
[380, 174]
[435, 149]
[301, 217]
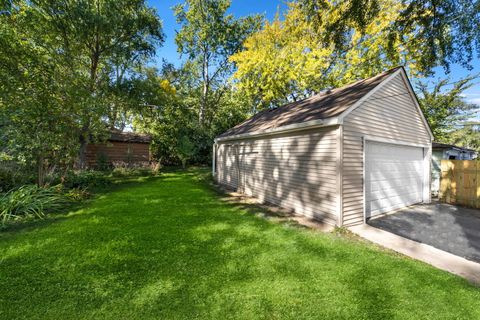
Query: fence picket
[459, 182]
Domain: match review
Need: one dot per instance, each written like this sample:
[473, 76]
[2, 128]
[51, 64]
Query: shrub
[77, 194]
[123, 169]
[125, 172]
[86, 180]
[12, 175]
[185, 150]
[103, 163]
[29, 201]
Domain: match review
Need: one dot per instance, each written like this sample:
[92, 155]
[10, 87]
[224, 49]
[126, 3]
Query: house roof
[318, 107]
[438, 145]
[119, 136]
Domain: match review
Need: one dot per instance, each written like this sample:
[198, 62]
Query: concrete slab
[447, 227]
[438, 258]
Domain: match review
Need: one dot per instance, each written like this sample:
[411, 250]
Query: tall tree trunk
[84, 134]
[206, 80]
[40, 170]
[82, 154]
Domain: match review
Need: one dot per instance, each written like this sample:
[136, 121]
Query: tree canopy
[444, 31]
[290, 58]
[448, 113]
[208, 37]
[72, 70]
[62, 59]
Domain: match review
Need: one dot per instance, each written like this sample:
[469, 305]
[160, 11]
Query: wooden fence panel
[460, 182]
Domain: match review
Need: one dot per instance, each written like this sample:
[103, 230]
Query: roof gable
[399, 73]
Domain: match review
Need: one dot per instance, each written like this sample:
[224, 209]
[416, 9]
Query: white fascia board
[368, 95]
[284, 129]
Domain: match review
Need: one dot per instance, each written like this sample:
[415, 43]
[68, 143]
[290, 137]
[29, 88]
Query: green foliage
[72, 70]
[65, 71]
[185, 149]
[466, 135]
[169, 98]
[13, 174]
[77, 194]
[444, 108]
[34, 106]
[290, 58]
[103, 163]
[443, 31]
[208, 37]
[29, 201]
[134, 172]
[87, 179]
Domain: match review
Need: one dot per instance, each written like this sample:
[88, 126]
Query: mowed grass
[169, 248]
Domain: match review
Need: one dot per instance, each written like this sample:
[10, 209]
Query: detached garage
[342, 156]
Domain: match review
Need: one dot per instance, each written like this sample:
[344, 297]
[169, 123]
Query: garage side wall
[390, 113]
[297, 171]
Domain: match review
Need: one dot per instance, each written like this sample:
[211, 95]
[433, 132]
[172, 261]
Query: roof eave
[333, 121]
[453, 148]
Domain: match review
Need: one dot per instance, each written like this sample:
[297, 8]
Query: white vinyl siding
[297, 171]
[391, 114]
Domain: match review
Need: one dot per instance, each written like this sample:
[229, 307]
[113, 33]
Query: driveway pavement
[446, 227]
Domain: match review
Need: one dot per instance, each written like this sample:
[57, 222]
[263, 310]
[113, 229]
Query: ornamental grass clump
[29, 201]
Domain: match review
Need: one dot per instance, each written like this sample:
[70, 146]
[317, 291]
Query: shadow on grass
[169, 248]
[118, 184]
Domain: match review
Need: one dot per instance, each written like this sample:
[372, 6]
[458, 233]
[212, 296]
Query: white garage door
[393, 177]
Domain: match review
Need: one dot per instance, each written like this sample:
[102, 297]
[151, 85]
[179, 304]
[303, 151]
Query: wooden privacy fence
[460, 182]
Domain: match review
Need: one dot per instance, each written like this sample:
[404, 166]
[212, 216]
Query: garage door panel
[389, 204]
[394, 183]
[405, 194]
[392, 190]
[394, 177]
[396, 165]
[396, 173]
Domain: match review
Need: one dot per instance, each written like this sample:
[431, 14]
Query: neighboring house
[125, 148]
[442, 151]
[342, 156]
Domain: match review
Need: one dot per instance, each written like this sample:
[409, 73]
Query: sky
[269, 8]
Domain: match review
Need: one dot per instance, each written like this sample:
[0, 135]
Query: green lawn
[169, 248]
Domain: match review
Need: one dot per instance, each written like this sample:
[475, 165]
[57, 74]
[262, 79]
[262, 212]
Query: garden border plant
[30, 201]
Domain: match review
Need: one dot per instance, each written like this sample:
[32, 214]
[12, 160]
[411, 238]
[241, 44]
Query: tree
[444, 31]
[466, 135]
[35, 108]
[445, 109]
[291, 59]
[163, 110]
[65, 69]
[91, 39]
[185, 149]
[208, 37]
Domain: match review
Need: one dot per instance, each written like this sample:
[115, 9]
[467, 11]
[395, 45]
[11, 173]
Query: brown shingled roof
[119, 136]
[318, 107]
